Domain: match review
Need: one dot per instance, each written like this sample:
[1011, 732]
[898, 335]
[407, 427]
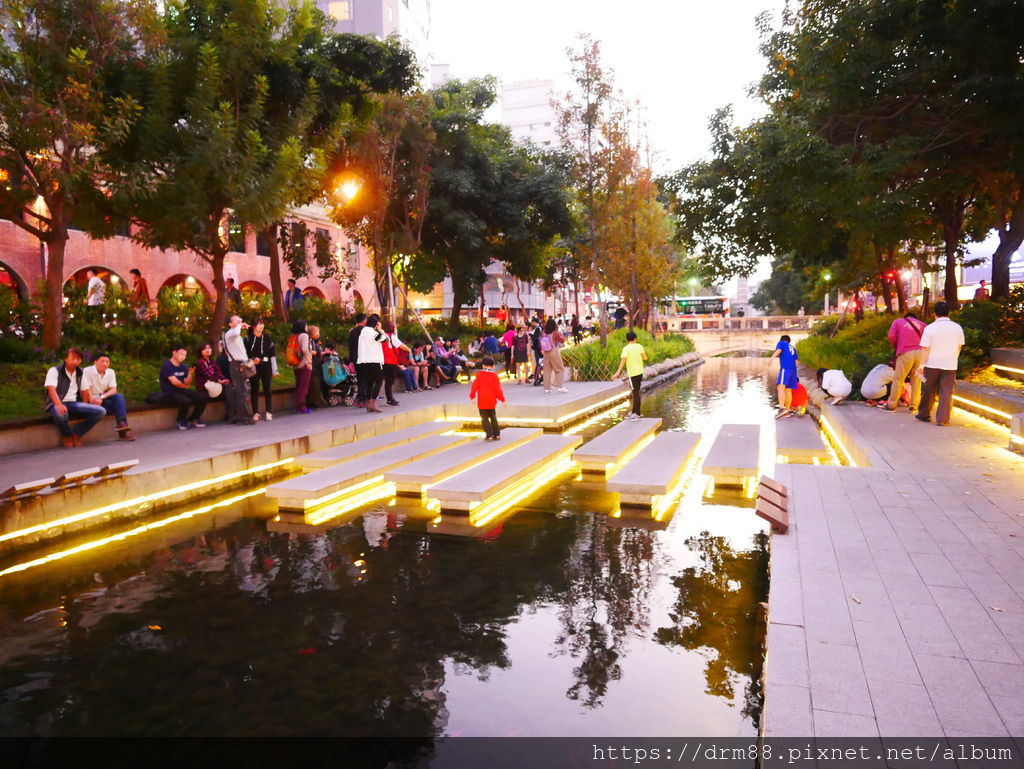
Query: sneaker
[920, 418]
[268, 416]
[886, 407]
[547, 392]
[392, 403]
[182, 425]
[256, 417]
[562, 390]
[69, 442]
[194, 425]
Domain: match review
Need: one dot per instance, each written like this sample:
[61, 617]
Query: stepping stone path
[609, 450]
[655, 470]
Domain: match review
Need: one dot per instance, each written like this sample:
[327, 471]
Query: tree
[207, 145]
[64, 65]
[785, 290]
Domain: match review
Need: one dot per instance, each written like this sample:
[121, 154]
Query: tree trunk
[1010, 238]
[276, 289]
[951, 238]
[576, 295]
[53, 302]
[220, 307]
[458, 299]
[884, 282]
[901, 291]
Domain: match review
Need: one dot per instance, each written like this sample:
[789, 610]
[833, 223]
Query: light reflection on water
[561, 621]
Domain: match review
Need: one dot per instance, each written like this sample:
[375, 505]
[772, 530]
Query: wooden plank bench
[734, 457]
[773, 504]
[115, 469]
[321, 486]
[317, 460]
[76, 477]
[28, 488]
[655, 471]
[798, 440]
[488, 481]
[415, 477]
[608, 451]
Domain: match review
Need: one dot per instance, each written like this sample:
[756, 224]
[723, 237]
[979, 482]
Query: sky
[682, 59]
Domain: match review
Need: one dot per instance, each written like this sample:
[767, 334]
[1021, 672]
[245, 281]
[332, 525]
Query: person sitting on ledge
[100, 387]
[175, 381]
[66, 400]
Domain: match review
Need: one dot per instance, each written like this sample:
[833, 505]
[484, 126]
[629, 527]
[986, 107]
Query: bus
[695, 306]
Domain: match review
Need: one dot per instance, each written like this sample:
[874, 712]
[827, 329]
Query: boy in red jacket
[487, 391]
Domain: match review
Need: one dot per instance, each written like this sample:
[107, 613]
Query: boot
[125, 434]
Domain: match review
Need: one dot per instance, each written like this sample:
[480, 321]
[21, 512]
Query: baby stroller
[339, 385]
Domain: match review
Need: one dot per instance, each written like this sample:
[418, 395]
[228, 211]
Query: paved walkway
[897, 598]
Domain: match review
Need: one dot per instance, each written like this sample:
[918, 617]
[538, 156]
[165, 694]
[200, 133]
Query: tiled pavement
[897, 597]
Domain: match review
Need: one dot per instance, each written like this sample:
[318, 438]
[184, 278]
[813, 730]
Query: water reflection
[556, 621]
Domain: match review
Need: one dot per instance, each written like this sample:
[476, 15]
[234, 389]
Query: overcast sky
[682, 58]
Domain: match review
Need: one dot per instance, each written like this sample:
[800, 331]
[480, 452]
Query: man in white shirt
[99, 385]
[95, 291]
[941, 341]
[239, 365]
[65, 401]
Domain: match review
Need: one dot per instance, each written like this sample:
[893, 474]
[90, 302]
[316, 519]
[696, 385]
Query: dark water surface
[560, 621]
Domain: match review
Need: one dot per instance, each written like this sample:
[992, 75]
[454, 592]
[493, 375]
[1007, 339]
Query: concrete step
[797, 439]
[734, 456]
[609, 451]
[487, 482]
[415, 477]
[318, 460]
[327, 485]
[655, 471]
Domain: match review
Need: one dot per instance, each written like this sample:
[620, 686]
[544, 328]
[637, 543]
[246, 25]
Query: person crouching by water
[835, 384]
[486, 390]
[633, 357]
[788, 378]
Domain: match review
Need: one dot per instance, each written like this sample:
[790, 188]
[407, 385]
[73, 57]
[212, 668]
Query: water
[560, 621]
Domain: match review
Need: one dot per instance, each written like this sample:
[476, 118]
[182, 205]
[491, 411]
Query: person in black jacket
[260, 347]
[353, 355]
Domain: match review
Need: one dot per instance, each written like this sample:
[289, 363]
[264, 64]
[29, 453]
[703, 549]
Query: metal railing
[759, 323]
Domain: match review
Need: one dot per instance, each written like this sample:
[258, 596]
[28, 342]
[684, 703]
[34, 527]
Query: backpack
[293, 352]
[545, 343]
[334, 372]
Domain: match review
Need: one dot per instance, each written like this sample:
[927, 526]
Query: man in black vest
[353, 356]
[64, 400]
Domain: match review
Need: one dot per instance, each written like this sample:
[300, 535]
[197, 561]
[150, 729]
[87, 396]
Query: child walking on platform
[487, 391]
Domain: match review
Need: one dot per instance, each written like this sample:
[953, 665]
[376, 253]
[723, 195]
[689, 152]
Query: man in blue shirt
[490, 344]
[293, 300]
[788, 379]
[175, 378]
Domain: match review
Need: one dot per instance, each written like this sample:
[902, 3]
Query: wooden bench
[322, 486]
[414, 478]
[773, 504]
[317, 460]
[510, 472]
[655, 471]
[28, 488]
[610, 450]
[76, 477]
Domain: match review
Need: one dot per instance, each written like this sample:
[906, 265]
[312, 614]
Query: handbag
[247, 367]
[273, 366]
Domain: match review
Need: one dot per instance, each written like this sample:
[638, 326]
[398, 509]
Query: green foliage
[786, 290]
[854, 350]
[596, 362]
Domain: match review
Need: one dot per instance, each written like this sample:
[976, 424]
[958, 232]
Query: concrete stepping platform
[322, 486]
[655, 471]
[797, 440]
[318, 460]
[734, 456]
[489, 481]
[415, 477]
[610, 450]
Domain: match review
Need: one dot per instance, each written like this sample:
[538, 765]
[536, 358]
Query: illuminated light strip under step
[837, 440]
[376, 491]
[983, 407]
[138, 501]
[87, 546]
[1008, 368]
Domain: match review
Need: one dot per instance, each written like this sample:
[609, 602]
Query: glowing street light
[348, 188]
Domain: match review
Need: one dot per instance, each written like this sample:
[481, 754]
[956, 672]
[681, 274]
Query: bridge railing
[759, 323]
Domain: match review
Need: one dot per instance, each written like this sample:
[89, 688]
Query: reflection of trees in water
[610, 575]
[716, 613]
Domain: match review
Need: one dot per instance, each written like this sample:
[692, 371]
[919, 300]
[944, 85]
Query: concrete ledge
[1009, 361]
[995, 403]
[610, 449]
[347, 450]
[798, 440]
[853, 448]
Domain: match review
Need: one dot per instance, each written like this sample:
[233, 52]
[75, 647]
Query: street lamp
[828, 278]
[348, 188]
[693, 284]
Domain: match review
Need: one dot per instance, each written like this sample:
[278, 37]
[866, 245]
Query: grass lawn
[22, 394]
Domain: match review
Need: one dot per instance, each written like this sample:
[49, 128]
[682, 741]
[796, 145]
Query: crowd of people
[239, 368]
[921, 371]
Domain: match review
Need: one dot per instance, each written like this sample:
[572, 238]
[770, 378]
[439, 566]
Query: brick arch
[189, 282]
[105, 274]
[313, 291]
[11, 279]
[254, 287]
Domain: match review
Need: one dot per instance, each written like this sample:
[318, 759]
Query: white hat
[214, 389]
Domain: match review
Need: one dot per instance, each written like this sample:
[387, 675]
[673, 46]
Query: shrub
[594, 362]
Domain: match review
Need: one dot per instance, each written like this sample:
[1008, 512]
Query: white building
[526, 109]
[408, 19]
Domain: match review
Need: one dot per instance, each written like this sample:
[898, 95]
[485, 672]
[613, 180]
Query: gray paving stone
[971, 625]
[786, 661]
[826, 617]
[837, 679]
[785, 602]
[926, 630]
[906, 588]
[787, 712]
[903, 710]
[1011, 710]
[885, 654]
[868, 600]
[935, 569]
[829, 724]
[1000, 679]
[958, 697]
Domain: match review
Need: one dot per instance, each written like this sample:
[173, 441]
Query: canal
[561, 620]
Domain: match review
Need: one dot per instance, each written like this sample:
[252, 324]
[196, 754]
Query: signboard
[983, 271]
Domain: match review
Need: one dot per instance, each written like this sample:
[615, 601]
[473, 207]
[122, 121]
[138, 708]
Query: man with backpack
[538, 354]
[905, 336]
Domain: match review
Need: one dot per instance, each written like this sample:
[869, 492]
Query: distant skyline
[682, 60]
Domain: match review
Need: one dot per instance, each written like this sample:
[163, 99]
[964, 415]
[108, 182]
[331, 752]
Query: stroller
[339, 385]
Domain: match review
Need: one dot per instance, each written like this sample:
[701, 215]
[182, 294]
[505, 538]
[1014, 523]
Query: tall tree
[63, 70]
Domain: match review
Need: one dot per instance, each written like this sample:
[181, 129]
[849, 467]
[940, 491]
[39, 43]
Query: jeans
[937, 382]
[184, 398]
[89, 412]
[242, 399]
[409, 375]
[489, 420]
[114, 404]
[634, 383]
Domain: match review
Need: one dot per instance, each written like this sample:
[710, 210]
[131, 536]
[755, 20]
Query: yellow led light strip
[520, 492]
[592, 406]
[835, 437]
[86, 546]
[1017, 439]
[983, 407]
[311, 504]
[1008, 368]
[689, 471]
[594, 419]
[138, 501]
[373, 494]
